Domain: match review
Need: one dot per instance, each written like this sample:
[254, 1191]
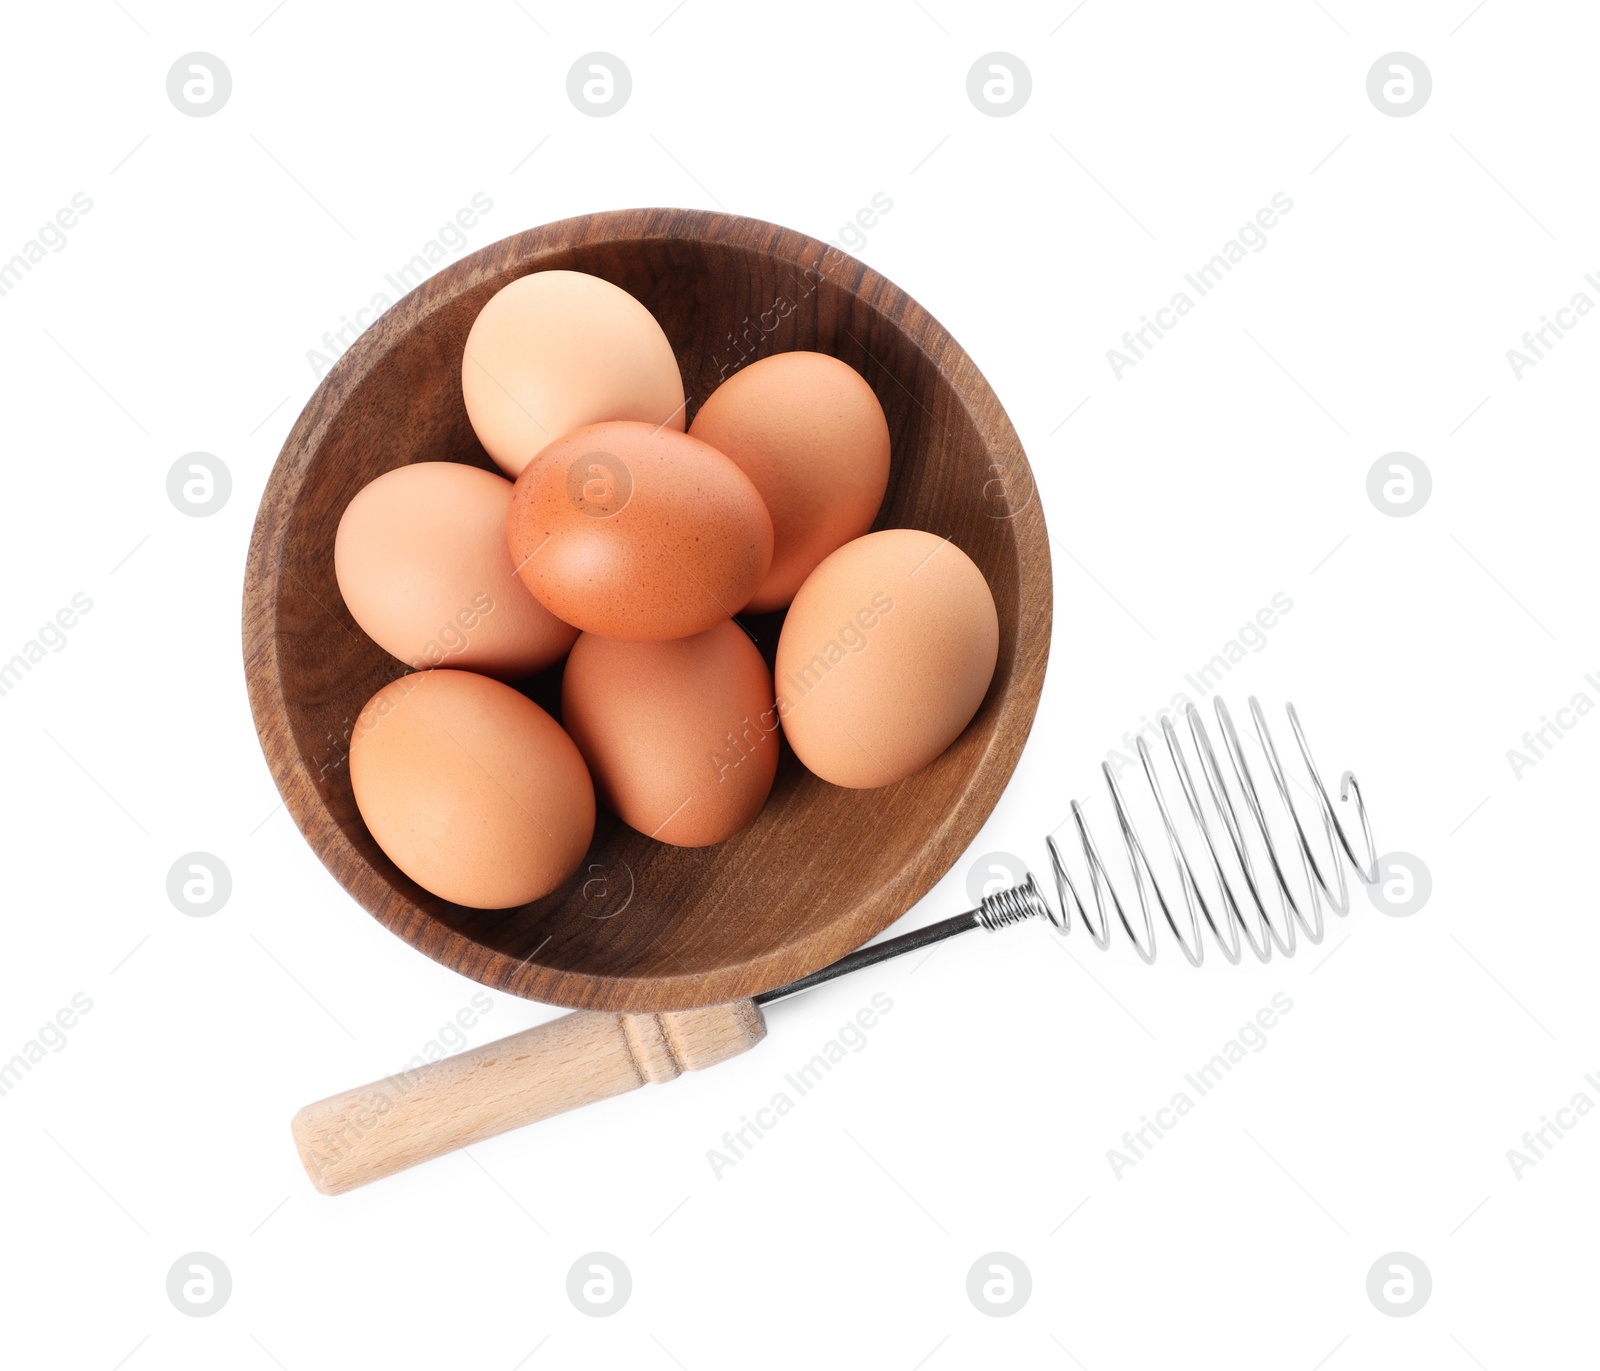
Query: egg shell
[471, 789]
[808, 431]
[421, 560]
[636, 532]
[556, 350]
[885, 656]
[680, 736]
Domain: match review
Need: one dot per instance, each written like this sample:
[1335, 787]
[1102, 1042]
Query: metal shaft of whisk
[877, 952]
[999, 910]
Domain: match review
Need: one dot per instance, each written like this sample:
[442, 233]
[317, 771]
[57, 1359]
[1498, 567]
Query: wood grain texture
[643, 926]
[365, 1134]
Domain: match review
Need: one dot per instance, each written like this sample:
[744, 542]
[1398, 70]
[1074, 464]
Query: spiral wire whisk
[1225, 888]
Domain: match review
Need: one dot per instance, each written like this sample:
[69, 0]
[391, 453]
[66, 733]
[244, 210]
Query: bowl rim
[942, 845]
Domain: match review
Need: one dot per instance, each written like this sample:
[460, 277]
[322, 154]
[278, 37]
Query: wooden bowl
[643, 926]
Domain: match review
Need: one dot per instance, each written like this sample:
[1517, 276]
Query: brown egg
[680, 736]
[885, 656]
[637, 532]
[472, 789]
[422, 564]
[556, 350]
[807, 429]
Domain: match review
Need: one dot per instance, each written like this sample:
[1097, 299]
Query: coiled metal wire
[1215, 852]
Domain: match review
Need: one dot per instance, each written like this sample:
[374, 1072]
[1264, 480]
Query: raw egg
[636, 532]
[556, 350]
[885, 656]
[808, 431]
[421, 561]
[680, 736]
[471, 789]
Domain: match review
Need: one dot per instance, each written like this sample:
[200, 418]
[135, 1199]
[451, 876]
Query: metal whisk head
[1220, 878]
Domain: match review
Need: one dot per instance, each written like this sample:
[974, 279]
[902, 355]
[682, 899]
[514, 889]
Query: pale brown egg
[885, 656]
[471, 789]
[556, 350]
[421, 560]
[807, 429]
[681, 737]
[636, 532]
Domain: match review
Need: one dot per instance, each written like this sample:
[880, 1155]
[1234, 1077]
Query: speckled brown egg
[636, 532]
[807, 429]
[556, 350]
[885, 656]
[471, 789]
[681, 736]
[422, 564]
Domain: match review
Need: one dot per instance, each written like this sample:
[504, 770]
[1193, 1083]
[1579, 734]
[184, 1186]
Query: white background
[1229, 465]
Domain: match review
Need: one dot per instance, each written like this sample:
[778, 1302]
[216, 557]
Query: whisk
[1225, 884]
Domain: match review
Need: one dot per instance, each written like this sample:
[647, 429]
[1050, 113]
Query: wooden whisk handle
[373, 1131]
